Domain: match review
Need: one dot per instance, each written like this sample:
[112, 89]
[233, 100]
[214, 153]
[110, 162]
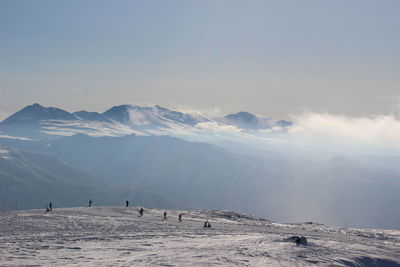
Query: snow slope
[116, 236]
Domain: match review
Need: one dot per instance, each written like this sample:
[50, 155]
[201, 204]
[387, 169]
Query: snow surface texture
[117, 236]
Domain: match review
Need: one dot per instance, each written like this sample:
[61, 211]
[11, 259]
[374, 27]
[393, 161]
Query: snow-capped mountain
[36, 121]
[36, 112]
[119, 113]
[246, 120]
[155, 117]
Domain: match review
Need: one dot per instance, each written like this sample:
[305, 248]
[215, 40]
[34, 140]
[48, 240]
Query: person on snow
[141, 212]
[90, 203]
[127, 203]
[180, 217]
[165, 215]
[50, 206]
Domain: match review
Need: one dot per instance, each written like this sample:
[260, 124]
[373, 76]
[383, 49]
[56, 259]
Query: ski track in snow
[117, 236]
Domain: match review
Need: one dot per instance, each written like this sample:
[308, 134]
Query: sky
[273, 58]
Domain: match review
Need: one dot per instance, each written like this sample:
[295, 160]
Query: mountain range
[38, 122]
[161, 158]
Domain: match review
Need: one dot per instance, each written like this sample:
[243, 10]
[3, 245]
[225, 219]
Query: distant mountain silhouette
[246, 120]
[119, 113]
[37, 112]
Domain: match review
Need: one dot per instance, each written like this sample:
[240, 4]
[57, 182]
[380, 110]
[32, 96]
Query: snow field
[117, 236]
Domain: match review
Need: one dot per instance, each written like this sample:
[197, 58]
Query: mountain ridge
[37, 121]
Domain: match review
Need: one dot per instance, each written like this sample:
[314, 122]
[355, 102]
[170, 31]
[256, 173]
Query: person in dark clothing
[180, 217]
[165, 215]
[90, 203]
[207, 224]
[127, 203]
[141, 212]
[50, 206]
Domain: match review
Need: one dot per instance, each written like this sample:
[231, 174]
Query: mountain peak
[246, 120]
[150, 116]
[119, 113]
[243, 119]
[242, 116]
[37, 112]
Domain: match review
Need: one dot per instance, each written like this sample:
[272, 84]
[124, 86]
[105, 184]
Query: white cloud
[379, 130]
[137, 117]
[211, 112]
[216, 127]
[201, 114]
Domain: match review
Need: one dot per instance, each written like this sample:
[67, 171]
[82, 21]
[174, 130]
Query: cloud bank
[376, 130]
[310, 128]
[217, 127]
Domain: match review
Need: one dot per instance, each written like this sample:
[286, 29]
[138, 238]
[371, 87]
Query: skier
[207, 224]
[165, 215]
[180, 217]
[127, 203]
[90, 203]
[141, 212]
[50, 206]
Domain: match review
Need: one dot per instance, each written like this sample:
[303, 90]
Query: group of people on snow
[49, 208]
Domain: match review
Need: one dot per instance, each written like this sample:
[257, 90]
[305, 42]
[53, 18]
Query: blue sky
[268, 57]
